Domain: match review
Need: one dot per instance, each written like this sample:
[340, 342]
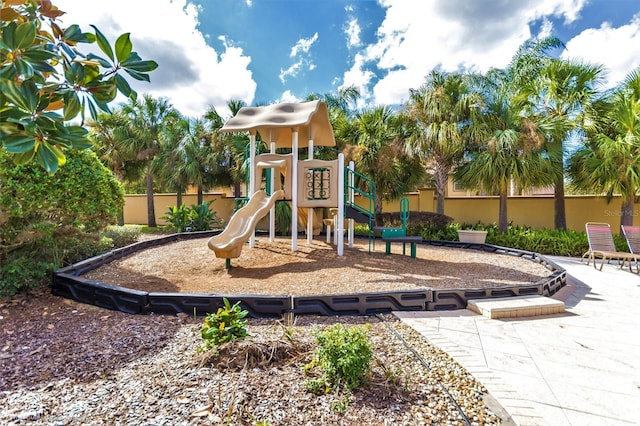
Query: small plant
[178, 217]
[201, 217]
[344, 355]
[189, 219]
[122, 235]
[227, 324]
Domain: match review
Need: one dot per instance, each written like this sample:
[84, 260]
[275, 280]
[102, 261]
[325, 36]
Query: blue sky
[266, 51]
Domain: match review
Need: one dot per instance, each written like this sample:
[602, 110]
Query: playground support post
[272, 212]
[310, 210]
[340, 222]
[352, 167]
[252, 178]
[294, 186]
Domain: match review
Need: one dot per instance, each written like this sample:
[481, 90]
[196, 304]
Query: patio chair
[601, 246]
[632, 235]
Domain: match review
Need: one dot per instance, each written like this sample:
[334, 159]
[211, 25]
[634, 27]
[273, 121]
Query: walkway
[581, 367]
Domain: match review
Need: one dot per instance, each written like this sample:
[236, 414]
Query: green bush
[190, 219]
[344, 356]
[122, 235]
[53, 219]
[22, 274]
[226, 324]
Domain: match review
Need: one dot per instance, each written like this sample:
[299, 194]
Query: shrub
[53, 219]
[344, 355]
[122, 235]
[227, 324]
[190, 219]
[22, 274]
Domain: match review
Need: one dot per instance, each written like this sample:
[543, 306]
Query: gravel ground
[64, 363]
[272, 268]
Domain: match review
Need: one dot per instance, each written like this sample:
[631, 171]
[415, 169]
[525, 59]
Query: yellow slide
[228, 244]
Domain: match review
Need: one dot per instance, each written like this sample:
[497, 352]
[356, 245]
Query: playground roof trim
[276, 123]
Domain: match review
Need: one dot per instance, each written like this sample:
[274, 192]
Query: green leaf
[50, 157]
[123, 85]
[8, 71]
[24, 68]
[71, 105]
[137, 75]
[106, 91]
[8, 35]
[123, 47]
[74, 73]
[24, 157]
[25, 35]
[40, 53]
[99, 59]
[19, 143]
[103, 43]
[25, 96]
[73, 34]
[133, 62]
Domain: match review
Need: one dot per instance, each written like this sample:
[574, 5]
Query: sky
[269, 51]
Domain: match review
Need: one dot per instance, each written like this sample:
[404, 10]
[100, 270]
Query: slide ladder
[358, 184]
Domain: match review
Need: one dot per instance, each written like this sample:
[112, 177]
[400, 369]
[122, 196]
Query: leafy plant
[178, 217]
[122, 235]
[226, 324]
[53, 220]
[344, 355]
[39, 100]
[189, 219]
[201, 217]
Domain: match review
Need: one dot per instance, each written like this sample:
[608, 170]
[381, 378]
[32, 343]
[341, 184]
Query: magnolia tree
[47, 82]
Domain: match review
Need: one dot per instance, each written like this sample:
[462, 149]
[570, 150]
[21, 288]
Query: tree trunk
[503, 220]
[151, 211]
[200, 198]
[179, 198]
[378, 212]
[441, 177]
[626, 217]
[559, 213]
[237, 189]
[121, 217]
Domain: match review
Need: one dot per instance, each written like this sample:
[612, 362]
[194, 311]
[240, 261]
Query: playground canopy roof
[276, 123]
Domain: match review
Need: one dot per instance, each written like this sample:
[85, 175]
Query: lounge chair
[601, 246]
[632, 235]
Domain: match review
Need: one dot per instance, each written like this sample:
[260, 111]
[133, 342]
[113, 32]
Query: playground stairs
[516, 307]
[360, 216]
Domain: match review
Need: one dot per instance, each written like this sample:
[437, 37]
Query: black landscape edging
[67, 282]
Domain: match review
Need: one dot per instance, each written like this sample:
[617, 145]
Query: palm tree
[229, 149]
[442, 108]
[508, 147]
[562, 92]
[109, 134]
[377, 148]
[148, 118]
[342, 107]
[610, 160]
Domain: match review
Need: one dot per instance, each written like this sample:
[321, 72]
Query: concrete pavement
[580, 367]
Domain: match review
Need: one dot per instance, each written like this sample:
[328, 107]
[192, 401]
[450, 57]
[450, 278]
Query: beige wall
[536, 212]
[135, 206]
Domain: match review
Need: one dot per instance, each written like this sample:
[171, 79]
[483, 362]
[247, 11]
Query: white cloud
[191, 74]
[352, 30]
[358, 76]
[618, 49]
[300, 52]
[288, 96]
[451, 34]
[303, 45]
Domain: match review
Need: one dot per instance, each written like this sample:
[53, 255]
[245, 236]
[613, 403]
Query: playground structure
[306, 184]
